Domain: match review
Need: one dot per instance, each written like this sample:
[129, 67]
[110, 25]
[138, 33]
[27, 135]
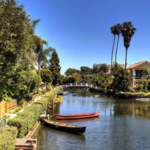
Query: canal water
[124, 124]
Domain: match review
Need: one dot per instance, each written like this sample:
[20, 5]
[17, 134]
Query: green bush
[23, 101]
[42, 103]
[21, 125]
[7, 98]
[25, 121]
[34, 96]
[17, 109]
[4, 116]
[43, 92]
[48, 88]
[8, 138]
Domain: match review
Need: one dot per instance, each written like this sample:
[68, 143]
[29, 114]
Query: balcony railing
[140, 77]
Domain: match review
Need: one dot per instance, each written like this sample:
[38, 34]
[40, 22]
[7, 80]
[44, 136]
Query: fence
[6, 106]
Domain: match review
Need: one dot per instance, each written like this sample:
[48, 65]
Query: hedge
[134, 95]
[8, 138]
[25, 121]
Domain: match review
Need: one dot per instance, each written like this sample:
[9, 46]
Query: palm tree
[113, 31]
[127, 32]
[40, 52]
[118, 30]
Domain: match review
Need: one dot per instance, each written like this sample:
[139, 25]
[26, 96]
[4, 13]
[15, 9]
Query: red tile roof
[137, 64]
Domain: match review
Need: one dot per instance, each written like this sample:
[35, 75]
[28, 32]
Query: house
[137, 69]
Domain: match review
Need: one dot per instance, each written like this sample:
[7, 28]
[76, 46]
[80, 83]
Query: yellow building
[136, 71]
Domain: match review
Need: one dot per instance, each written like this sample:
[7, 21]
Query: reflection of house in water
[132, 109]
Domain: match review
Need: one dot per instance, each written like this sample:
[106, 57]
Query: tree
[16, 46]
[146, 75]
[122, 78]
[127, 32]
[70, 71]
[118, 30]
[44, 66]
[40, 52]
[55, 67]
[15, 36]
[86, 70]
[46, 75]
[113, 31]
[62, 77]
[68, 80]
[103, 68]
[95, 70]
[76, 77]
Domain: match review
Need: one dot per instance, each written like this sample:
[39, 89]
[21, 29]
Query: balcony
[139, 77]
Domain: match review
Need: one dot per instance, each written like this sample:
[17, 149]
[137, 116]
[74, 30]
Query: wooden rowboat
[64, 126]
[78, 116]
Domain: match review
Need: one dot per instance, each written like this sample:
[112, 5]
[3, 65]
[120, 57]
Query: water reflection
[123, 124]
[54, 139]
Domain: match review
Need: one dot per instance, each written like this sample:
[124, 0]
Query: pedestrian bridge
[84, 85]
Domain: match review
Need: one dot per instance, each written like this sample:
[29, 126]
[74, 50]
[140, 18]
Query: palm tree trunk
[116, 49]
[39, 67]
[126, 59]
[112, 53]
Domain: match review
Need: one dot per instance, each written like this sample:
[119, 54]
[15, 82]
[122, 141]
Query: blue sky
[79, 30]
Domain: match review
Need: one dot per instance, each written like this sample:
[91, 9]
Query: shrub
[21, 125]
[43, 92]
[8, 138]
[121, 92]
[34, 96]
[7, 98]
[4, 116]
[48, 88]
[23, 101]
[17, 109]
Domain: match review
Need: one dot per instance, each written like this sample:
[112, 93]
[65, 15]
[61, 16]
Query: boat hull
[77, 116]
[70, 128]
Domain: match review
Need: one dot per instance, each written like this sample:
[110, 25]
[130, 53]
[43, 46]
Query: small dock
[26, 144]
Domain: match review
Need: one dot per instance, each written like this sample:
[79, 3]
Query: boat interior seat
[63, 124]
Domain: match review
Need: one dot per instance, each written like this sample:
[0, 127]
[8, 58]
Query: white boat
[143, 99]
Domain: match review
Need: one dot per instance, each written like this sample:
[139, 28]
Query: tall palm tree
[113, 31]
[127, 32]
[118, 30]
[40, 52]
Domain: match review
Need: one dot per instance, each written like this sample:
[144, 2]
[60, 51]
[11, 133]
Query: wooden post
[6, 107]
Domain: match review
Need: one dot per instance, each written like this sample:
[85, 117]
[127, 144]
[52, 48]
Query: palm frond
[34, 22]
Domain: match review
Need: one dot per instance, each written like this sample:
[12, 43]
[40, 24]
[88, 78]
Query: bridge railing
[82, 84]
